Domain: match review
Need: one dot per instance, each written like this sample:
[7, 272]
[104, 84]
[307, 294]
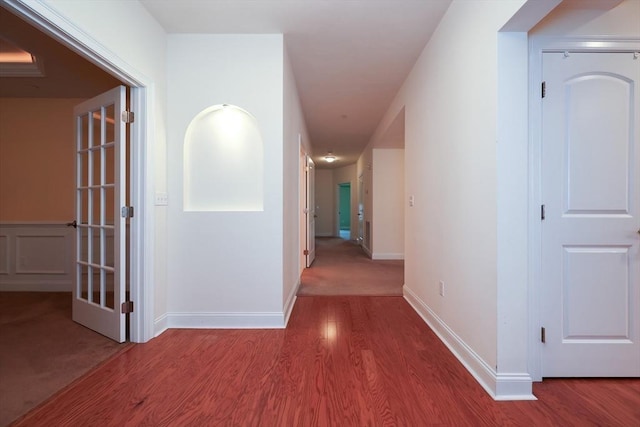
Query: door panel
[311, 212]
[599, 153]
[590, 258]
[98, 291]
[595, 277]
[361, 210]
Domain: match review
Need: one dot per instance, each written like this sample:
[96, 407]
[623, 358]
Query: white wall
[467, 92]
[388, 204]
[294, 130]
[325, 203]
[226, 268]
[450, 101]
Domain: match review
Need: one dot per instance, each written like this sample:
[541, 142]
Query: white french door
[311, 212]
[590, 290]
[100, 262]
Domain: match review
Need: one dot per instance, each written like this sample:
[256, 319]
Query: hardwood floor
[342, 361]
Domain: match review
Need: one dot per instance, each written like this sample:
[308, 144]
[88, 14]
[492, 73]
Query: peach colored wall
[36, 159]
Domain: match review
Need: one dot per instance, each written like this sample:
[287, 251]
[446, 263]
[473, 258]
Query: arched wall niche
[223, 161]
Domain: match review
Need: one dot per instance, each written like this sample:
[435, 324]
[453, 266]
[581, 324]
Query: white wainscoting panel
[36, 257]
[4, 253]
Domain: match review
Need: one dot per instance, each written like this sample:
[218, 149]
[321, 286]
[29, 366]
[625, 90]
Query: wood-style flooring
[342, 361]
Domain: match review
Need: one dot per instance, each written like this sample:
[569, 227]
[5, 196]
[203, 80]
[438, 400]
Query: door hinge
[127, 307]
[542, 212]
[543, 337]
[305, 252]
[127, 212]
[128, 116]
[544, 89]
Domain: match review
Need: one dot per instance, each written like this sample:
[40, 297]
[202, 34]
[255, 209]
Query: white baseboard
[227, 320]
[325, 235]
[514, 387]
[291, 301]
[504, 386]
[212, 320]
[366, 250]
[160, 325]
[387, 256]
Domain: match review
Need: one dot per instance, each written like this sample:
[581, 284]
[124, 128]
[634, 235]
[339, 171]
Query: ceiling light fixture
[16, 62]
[329, 158]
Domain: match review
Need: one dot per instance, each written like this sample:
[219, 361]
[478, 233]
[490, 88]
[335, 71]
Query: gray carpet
[342, 268]
[42, 350]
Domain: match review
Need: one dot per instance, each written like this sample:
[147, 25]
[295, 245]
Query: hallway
[342, 268]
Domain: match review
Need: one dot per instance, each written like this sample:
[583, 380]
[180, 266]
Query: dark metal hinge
[127, 307]
[542, 212]
[127, 212]
[128, 116]
[305, 252]
[543, 337]
[544, 89]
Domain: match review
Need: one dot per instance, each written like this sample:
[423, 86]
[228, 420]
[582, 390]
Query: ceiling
[349, 57]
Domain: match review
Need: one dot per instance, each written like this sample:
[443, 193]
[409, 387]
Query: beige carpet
[342, 268]
[42, 350]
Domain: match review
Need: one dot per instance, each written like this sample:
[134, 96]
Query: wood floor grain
[342, 361]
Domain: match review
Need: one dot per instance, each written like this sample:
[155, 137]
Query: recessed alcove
[223, 161]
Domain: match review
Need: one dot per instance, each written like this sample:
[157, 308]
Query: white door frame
[48, 20]
[302, 206]
[539, 45]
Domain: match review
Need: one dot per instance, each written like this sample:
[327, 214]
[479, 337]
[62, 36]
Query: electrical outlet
[441, 288]
[412, 201]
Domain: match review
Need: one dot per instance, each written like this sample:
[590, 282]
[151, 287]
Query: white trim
[516, 386]
[366, 250]
[290, 303]
[44, 17]
[47, 19]
[326, 235]
[217, 320]
[160, 325]
[538, 45]
[387, 256]
[505, 386]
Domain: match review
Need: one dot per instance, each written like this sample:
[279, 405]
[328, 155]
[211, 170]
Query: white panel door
[311, 212]
[361, 209]
[590, 292]
[99, 287]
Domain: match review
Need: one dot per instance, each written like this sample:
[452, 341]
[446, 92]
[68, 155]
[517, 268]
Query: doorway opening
[344, 210]
[53, 99]
[47, 21]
